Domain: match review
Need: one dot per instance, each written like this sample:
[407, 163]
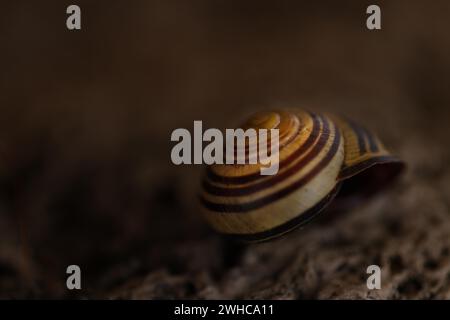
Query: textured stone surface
[405, 231]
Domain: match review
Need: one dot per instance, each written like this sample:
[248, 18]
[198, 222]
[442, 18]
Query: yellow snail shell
[317, 153]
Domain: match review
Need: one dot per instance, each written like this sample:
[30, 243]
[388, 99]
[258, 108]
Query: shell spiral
[317, 153]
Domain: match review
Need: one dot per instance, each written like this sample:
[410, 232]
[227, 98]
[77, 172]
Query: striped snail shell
[318, 153]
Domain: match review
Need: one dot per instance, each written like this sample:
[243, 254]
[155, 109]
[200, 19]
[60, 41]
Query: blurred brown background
[86, 118]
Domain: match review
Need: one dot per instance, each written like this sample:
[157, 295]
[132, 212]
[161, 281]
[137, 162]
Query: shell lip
[351, 171]
[366, 179]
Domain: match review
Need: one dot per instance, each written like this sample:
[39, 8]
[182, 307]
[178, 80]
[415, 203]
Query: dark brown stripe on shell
[268, 183]
[255, 176]
[245, 207]
[360, 135]
[370, 138]
[290, 225]
[269, 145]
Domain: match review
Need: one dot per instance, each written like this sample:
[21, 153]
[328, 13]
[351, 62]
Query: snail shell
[318, 154]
